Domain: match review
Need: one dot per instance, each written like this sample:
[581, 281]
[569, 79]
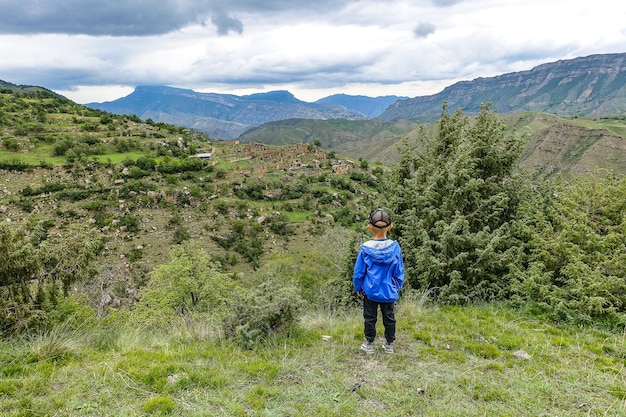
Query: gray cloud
[359, 45]
[139, 17]
[225, 23]
[115, 18]
[66, 79]
[423, 29]
[446, 3]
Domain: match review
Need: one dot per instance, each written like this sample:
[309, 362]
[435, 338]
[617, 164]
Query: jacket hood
[379, 251]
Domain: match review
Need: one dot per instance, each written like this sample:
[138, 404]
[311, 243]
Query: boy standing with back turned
[378, 277]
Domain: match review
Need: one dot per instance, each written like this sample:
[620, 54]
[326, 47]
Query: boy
[378, 277]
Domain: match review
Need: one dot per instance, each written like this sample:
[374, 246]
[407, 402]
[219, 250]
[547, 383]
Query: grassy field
[483, 360]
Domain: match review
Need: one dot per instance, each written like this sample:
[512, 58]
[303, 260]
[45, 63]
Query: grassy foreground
[450, 361]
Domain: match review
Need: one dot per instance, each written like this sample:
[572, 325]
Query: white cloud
[313, 49]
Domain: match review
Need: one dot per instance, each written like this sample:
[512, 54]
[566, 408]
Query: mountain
[221, 116]
[587, 86]
[371, 107]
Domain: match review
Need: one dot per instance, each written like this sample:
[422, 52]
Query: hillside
[571, 146]
[277, 226]
[472, 361]
[589, 86]
[554, 144]
[372, 140]
[370, 107]
[140, 187]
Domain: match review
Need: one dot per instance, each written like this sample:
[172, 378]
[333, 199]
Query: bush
[181, 234]
[130, 222]
[38, 270]
[190, 283]
[11, 144]
[268, 308]
[60, 149]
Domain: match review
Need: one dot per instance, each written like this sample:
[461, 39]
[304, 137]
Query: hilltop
[594, 85]
[450, 361]
[222, 116]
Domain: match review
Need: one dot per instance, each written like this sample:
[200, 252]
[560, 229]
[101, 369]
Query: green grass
[449, 361]
[297, 216]
[36, 156]
[117, 158]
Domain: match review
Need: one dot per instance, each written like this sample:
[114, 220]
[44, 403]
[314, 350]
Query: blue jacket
[379, 270]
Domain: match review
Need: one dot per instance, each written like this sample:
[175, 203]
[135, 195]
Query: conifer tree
[455, 199]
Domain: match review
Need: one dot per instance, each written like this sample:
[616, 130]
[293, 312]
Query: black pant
[370, 315]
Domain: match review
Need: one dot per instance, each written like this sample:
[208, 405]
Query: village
[293, 160]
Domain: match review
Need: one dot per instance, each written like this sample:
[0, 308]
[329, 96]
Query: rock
[521, 354]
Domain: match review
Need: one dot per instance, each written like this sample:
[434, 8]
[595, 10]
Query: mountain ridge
[584, 86]
[222, 116]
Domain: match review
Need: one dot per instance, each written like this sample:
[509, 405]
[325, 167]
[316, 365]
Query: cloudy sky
[91, 50]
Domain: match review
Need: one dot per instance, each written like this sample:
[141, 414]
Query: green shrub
[38, 270]
[455, 201]
[15, 165]
[250, 190]
[181, 234]
[135, 172]
[61, 148]
[146, 163]
[190, 283]
[75, 194]
[11, 144]
[279, 224]
[269, 307]
[130, 222]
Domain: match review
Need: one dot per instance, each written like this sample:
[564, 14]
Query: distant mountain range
[570, 124]
[592, 85]
[226, 116]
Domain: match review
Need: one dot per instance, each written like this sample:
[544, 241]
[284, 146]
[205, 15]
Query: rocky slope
[592, 85]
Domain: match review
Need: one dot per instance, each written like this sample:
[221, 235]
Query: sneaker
[368, 347]
[387, 347]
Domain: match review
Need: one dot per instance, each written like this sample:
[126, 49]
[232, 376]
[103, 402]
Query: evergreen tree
[576, 250]
[455, 199]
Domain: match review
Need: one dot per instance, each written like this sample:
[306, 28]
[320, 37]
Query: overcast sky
[91, 50]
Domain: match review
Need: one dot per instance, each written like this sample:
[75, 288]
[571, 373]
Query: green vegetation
[161, 284]
[456, 199]
[553, 144]
[38, 269]
[473, 229]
